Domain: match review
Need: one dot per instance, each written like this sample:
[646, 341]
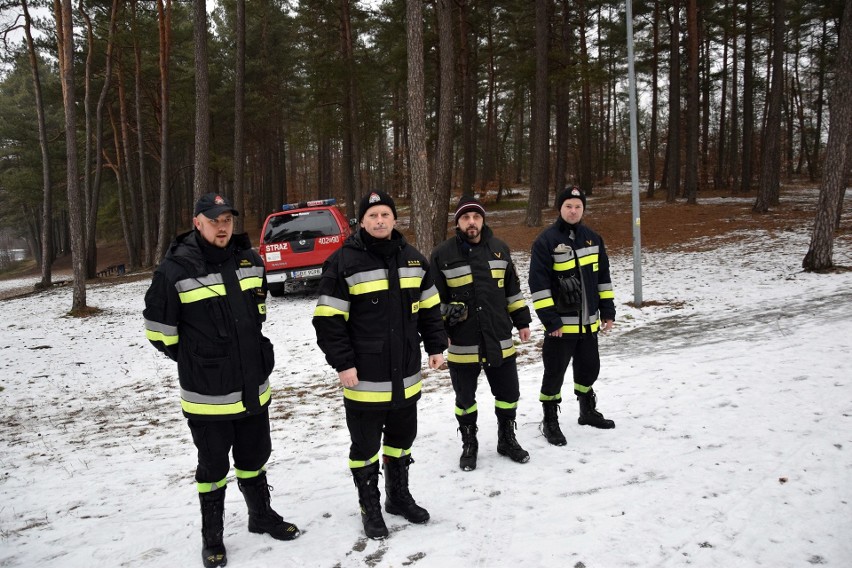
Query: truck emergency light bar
[315, 203]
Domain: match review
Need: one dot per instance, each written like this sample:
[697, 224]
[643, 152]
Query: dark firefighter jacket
[482, 277]
[374, 307]
[204, 309]
[562, 250]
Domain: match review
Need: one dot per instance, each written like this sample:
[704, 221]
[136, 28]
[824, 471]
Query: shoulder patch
[498, 255]
[245, 262]
[413, 262]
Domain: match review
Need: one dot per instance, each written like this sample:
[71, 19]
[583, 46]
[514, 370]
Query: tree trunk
[201, 181]
[719, 175]
[655, 105]
[164, 19]
[748, 101]
[835, 170]
[47, 192]
[147, 234]
[65, 44]
[770, 168]
[468, 101]
[444, 150]
[540, 124]
[351, 162]
[692, 103]
[421, 198]
[673, 145]
[239, 117]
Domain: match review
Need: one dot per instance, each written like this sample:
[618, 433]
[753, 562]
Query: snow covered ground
[731, 391]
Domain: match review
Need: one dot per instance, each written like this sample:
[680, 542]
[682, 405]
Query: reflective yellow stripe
[210, 487]
[384, 396]
[516, 305]
[563, 266]
[581, 388]
[498, 272]
[243, 474]
[550, 397]
[587, 260]
[508, 352]
[577, 329]
[162, 337]
[543, 303]
[202, 293]
[607, 295]
[205, 409]
[463, 411]
[456, 358]
[329, 311]
[355, 464]
[251, 282]
[410, 282]
[505, 405]
[430, 302]
[395, 452]
[367, 287]
[460, 281]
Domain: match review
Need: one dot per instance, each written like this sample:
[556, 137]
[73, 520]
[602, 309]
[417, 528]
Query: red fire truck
[296, 241]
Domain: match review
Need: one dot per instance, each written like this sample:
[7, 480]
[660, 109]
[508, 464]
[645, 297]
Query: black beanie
[573, 192]
[468, 203]
[375, 198]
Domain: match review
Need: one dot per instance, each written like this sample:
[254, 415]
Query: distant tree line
[115, 115]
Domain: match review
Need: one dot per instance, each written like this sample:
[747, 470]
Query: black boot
[398, 500]
[550, 424]
[212, 526]
[367, 481]
[507, 445]
[470, 447]
[589, 416]
[262, 518]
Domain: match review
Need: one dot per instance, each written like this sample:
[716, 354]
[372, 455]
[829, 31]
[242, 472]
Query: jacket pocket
[208, 369]
[368, 357]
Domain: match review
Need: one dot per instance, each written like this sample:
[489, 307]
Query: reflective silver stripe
[161, 327]
[604, 287]
[456, 272]
[587, 251]
[506, 343]
[250, 271]
[426, 294]
[190, 284]
[541, 295]
[333, 302]
[465, 349]
[563, 257]
[574, 320]
[412, 272]
[515, 298]
[367, 276]
[385, 386]
[229, 398]
[498, 264]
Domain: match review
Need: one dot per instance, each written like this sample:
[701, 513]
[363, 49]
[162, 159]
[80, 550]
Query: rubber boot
[589, 416]
[367, 481]
[262, 518]
[470, 447]
[398, 500]
[507, 445]
[213, 551]
[550, 424]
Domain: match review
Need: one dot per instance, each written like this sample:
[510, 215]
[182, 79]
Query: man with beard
[205, 309]
[481, 301]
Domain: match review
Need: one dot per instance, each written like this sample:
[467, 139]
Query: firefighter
[205, 309]
[377, 299]
[573, 297]
[481, 300]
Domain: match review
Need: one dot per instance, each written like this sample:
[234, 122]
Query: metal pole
[634, 162]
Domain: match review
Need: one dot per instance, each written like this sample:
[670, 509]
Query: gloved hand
[570, 295]
[456, 312]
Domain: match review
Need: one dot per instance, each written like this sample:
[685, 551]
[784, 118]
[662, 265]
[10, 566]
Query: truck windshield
[303, 225]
